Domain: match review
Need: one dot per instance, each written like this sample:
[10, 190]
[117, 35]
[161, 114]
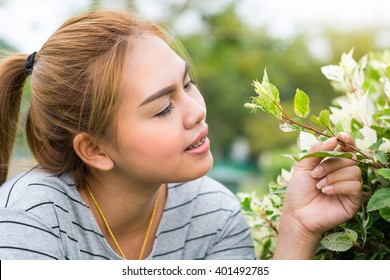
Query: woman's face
[161, 126]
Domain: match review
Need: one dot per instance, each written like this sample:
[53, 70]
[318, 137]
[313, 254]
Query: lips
[197, 144]
[199, 141]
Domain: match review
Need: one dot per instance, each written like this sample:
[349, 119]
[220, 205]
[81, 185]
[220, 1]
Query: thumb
[308, 164]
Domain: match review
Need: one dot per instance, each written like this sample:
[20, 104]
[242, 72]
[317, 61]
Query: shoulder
[37, 186]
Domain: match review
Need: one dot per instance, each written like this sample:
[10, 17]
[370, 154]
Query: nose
[194, 111]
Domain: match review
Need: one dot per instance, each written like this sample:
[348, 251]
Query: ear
[91, 153]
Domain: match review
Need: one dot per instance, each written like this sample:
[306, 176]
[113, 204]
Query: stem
[341, 143]
[290, 121]
[353, 148]
[358, 246]
[352, 88]
[330, 130]
[272, 226]
[307, 122]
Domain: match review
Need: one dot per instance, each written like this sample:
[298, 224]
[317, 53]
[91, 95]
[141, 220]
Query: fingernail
[321, 183]
[342, 135]
[327, 189]
[316, 172]
[328, 141]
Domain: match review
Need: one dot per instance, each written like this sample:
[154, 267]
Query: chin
[202, 169]
[199, 170]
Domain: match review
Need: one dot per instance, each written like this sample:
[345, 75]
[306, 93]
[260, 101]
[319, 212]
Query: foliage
[363, 110]
[227, 57]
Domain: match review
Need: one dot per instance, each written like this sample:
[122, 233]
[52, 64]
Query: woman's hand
[321, 194]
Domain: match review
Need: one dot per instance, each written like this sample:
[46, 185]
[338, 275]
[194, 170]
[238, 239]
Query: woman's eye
[189, 84]
[166, 111]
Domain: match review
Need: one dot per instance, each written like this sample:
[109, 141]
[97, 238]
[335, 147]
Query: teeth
[196, 145]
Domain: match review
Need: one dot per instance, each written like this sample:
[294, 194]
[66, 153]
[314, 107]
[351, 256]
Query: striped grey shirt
[43, 216]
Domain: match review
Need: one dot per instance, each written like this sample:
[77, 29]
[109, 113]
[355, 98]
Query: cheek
[153, 145]
[198, 98]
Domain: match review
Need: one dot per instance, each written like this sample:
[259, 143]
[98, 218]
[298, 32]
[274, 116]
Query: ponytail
[12, 78]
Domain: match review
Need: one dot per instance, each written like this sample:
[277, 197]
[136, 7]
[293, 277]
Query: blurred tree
[128, 4]
[95, 4]
[362, 41]
[5, 46]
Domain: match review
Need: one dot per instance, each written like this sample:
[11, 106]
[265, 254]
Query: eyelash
[189, 84]
[170, 107]
[166, 111]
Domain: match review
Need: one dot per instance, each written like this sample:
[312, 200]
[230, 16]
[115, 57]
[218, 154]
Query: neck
[128, 208]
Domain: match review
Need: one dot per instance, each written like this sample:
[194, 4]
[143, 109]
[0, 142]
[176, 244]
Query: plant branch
[341, 143]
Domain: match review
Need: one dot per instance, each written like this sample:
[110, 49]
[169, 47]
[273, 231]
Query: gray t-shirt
[43, 216]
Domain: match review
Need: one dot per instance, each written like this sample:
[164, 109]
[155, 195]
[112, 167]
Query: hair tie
[30, 63]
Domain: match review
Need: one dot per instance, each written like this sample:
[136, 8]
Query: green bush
[363, 110]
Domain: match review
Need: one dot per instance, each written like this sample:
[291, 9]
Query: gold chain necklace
[112, 234]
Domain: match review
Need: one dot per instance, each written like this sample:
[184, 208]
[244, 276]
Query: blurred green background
[229, 51]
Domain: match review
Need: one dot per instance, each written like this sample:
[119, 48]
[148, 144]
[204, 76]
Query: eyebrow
[167, 90]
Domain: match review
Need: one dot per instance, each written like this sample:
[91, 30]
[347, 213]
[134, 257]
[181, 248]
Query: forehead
[152, 66]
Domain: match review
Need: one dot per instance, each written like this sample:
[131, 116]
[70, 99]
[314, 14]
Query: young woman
[119, 131]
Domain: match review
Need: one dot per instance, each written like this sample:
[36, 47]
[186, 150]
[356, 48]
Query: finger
[350, 173]
[346, 141]
[310, 163]
[330, 165]
[348, 188]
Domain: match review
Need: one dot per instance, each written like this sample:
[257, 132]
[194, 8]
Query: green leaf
[265, 76]
[315, 119]
[382, 112]
[323, 119]
[384, 172]
[286, 127]
[388, 71]
[338, 241]
[379, 200]
[246, 204]
[272, 91]
[327, 154]
[352, 235]
[267, 97]
[267, 105]
[366, 224]
[385, 213]
[381, 157]
[266, 248]
[301, 104]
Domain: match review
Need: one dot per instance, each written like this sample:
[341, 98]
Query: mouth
[197, 144]
[199, 141]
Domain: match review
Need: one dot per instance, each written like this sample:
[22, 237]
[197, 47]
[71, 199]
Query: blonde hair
[76, 86]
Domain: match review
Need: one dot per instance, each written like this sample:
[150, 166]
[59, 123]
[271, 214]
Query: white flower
[387, 89]
[284, 178]
[386, 83]
[347, 63]
[333, 72]
[306, 140]
[385, 147]
[369, 138]
[360, 108]
[342, 117]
